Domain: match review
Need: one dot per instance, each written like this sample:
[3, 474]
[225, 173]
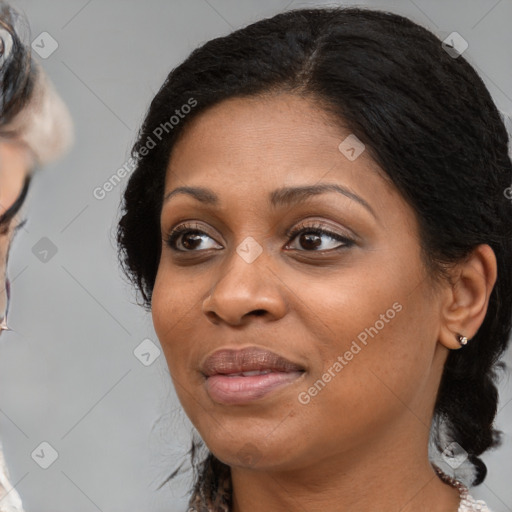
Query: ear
[467, 297]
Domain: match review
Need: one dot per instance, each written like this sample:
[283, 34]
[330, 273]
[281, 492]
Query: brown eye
[189, 238]
[310, 239]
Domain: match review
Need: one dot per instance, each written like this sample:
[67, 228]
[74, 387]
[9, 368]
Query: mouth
[242, 376]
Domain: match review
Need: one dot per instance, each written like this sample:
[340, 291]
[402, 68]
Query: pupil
[194, 238]
[309, 239]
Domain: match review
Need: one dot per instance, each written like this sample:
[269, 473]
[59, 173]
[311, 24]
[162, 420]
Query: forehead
[256, 122]
[266, 142]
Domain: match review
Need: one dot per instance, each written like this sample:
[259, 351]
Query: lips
[247, 362]
[236, 377]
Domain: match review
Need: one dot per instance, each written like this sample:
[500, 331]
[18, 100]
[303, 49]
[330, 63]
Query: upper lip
[226, 361]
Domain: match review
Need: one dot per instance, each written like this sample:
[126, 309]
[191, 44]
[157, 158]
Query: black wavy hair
[18, 72]
[427, 120]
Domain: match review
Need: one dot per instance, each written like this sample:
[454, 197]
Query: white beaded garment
[467, 502]
[9, 498]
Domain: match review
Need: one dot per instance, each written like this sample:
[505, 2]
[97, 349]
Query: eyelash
[315, 229]
[20, 225]
[5, 229]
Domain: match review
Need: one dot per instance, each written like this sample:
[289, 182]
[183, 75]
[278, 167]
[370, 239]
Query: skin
[363, 438]
[15, 164]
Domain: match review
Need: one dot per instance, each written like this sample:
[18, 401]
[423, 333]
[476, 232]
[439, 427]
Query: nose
[244, 290]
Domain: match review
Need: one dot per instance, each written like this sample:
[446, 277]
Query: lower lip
[239, 390]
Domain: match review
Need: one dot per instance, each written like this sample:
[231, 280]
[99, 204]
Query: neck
[390, 474]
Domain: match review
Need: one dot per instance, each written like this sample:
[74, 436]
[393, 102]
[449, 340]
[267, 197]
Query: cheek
[379, 355]
[4, 244]
[166, 311]
[174, 310]
[375, 334]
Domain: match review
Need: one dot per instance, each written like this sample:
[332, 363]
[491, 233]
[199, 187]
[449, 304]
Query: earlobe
[467, 297]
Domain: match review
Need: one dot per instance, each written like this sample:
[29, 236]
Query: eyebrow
[285, 196]
[11, 212]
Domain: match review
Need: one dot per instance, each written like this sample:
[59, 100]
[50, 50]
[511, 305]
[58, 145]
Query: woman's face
[15, 164]
[356, 317]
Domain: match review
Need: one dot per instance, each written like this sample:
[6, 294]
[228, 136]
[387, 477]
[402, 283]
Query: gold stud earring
[462, 340]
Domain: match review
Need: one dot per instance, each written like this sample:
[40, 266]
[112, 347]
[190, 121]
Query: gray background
[68, 375]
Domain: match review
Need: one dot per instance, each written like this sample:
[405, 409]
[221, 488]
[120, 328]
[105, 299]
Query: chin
[251, 449]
